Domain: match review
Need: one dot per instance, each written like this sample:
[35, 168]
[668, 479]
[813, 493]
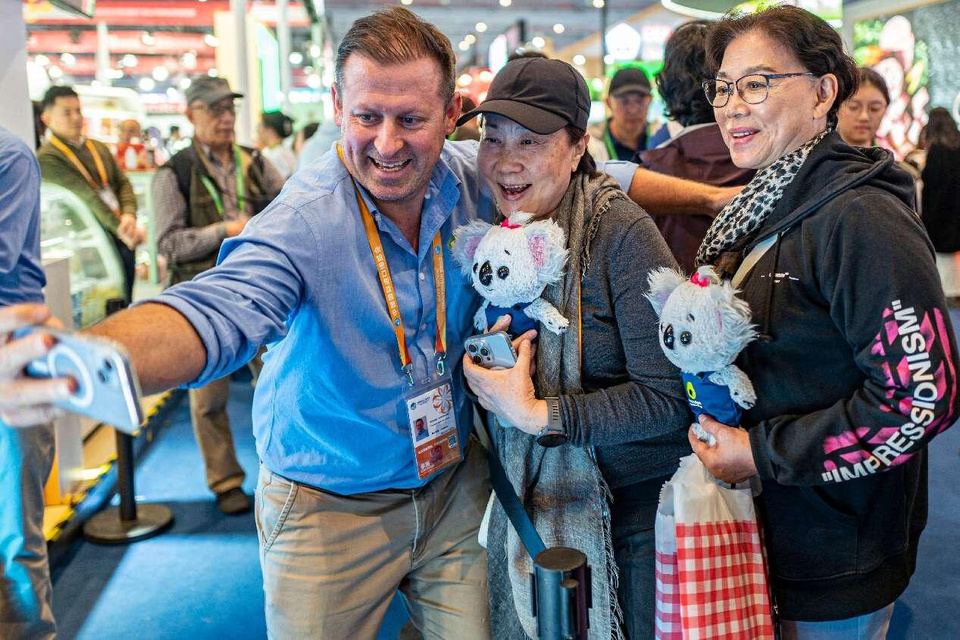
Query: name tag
[433, 427]
[110, 199]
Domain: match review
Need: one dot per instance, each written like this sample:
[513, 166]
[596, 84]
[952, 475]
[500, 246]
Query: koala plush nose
[486, 274]
[668, 337]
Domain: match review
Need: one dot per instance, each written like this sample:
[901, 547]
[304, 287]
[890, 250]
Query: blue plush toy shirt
[710, 398]
[519, 321]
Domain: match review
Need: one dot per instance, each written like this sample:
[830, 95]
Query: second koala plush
[703, 327]
[511, 264]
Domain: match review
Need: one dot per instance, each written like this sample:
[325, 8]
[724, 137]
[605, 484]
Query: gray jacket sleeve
[645, 401]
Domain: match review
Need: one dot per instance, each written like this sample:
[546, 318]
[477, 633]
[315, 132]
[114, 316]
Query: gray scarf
[744, 215]
[561, 488]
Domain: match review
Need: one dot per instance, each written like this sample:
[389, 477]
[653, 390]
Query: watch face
[552, 439]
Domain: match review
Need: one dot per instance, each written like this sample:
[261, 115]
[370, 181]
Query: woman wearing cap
[840, 277]
[617, 404]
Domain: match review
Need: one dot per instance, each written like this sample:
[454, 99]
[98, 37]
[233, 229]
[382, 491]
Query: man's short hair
[50, 97]
[394, 36]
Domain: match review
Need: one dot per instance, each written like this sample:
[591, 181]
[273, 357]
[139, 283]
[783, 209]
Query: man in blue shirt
[26, 455]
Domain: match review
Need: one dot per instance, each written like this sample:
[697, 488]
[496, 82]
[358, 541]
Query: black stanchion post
[562, 596]
[126, 523]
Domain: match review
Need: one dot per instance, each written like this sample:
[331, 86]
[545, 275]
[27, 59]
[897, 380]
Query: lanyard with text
[212, 189]
[608, 139]
[390, 295]
[103, 189]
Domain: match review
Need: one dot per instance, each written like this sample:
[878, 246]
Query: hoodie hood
[831, 169]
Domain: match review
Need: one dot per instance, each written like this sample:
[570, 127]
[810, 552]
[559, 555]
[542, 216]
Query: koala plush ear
[735, 317]
[662, 283]
[466, 239]
[548, 248]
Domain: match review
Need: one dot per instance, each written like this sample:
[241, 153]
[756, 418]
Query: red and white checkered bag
[711, 569]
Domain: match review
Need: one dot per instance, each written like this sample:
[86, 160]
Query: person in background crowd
[176, 142]
[624, 133]
[88, 169]
[319, 143]
[305, 133]
[839, 275]
[941, 196]
[469, 130]
[272, 132]
[203, 195]
[617, 400]
[39, 128]
[860, 116]
[696, 151]
[26, 455]
[132, 153]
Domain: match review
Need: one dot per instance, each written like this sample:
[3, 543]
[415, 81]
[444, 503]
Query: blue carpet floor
[201, 580]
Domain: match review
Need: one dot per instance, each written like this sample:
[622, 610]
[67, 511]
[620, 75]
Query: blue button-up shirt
[21, 272]
[329, 410]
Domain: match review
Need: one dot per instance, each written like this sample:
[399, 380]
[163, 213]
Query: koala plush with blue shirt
[703, 327]
[511, 264]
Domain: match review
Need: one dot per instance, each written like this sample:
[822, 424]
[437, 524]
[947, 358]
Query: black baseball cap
[540, 94]
[629, 80]
[209, 90]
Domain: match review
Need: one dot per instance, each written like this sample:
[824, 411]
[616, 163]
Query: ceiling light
[296, 58]
[114, 74]
[42, 60]
[189, 60]
[464, 80]
[314, 81]
[172, 93]
[213, 73]
[538, 42]
[185, 83]
[129, 60]
[598, 4]
[160, 73]
[406, 2]
[608, 59]
[559, 28]
[463, 46]
[481, 27]
[315, 50]
[579, 60]
[486, 75]
[505, 3]
[67, 59]
[211, 40]
[147, 84]
[148, 39]
[55, 72]
[470, 38]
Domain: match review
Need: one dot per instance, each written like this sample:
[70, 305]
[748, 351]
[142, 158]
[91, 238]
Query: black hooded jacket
[855, 372]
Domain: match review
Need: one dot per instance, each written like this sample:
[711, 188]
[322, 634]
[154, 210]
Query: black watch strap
[553, 434]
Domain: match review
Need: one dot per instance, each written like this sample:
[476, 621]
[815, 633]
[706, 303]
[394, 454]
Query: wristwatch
[552, 435]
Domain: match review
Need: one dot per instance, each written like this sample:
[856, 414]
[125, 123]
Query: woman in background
[275, 127]
[860, 116]
[941, 197]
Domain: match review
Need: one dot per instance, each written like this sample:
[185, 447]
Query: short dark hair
[174, 128]
[809, 38]
[394, 36]
[50, 97]
[309, 129]
[941, 129]
[685, 67]
[870, 77]
[277, 121]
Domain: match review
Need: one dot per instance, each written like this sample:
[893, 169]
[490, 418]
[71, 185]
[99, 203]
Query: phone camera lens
[484, 351]
[102, 375]
[472, 348]
[476, 360]
[107, 366]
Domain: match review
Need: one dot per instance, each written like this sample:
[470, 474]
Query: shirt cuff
[620, 170]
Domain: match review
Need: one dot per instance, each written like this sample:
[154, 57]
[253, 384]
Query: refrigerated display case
[68, 228]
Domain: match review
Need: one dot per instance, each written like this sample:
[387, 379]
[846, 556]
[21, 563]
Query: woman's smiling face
[526, 171]
[793, 112]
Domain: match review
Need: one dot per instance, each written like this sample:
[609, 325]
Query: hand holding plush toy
[703, 327]
[511, 264]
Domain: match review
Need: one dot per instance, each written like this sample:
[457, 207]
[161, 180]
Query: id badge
[109, 198]
[433, 426]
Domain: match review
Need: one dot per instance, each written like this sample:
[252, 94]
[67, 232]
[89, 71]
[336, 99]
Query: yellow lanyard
[72, 157]
[212, 189]
[390, 295]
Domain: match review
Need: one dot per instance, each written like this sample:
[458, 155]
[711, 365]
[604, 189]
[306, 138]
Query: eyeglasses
[753, 88]
[854, 107]
[218, 109]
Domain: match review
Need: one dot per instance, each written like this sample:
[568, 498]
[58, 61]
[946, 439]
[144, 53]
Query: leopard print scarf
[746, 212]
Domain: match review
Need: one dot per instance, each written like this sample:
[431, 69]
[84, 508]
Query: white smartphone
[107, 387]
[491, 350]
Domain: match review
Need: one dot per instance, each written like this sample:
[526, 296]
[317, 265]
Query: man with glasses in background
[206, 193]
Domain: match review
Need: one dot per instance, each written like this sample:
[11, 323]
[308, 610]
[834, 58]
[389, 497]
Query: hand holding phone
[490, 350]
[107, 388]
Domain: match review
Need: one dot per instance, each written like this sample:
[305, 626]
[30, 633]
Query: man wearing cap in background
[624, 133]
[203, 195]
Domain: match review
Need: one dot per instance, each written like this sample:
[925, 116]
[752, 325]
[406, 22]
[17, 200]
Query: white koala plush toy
[703, 327]
[511, 264]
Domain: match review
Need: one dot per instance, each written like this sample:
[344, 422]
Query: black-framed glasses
[753, 88]
[218, 109]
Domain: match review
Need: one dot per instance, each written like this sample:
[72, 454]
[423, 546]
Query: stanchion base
[106, 527]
